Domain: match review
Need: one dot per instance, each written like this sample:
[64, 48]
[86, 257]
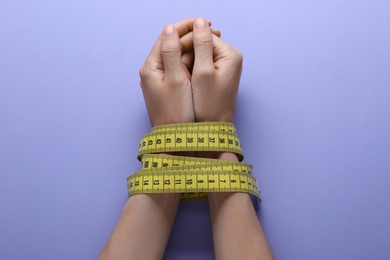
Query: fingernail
[216, 32]
[200, 23]
[169, 30]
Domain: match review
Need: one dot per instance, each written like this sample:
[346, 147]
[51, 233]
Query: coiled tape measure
[192, 176]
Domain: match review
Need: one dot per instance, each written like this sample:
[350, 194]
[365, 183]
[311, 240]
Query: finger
[187, 42]
[216, 32]
[188, 60]
[182, 28]
[154, 58]
[226, 53]
[185, 26]
[170, 52]
[203, 47]
[220, 46]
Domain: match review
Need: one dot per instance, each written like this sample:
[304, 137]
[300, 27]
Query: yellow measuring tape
[192, 176]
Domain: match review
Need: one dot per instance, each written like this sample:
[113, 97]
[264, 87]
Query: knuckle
[174, 80]
[169, 49]
[237, 56]
[202, 41]
[205, 72]
[143, 72]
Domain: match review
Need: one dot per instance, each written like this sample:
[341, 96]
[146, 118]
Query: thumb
[203, 47]
[171, 52]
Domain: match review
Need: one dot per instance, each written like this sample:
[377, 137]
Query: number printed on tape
[194, 177]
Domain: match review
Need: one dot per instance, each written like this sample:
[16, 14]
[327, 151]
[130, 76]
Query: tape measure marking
[179, 141]
[205, 126]
[163, 161]
[194, 177]
[191, 181]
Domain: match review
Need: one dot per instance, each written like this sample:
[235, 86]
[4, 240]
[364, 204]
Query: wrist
[164, 200]
[217, 197]
[187, 154]
[219, 155]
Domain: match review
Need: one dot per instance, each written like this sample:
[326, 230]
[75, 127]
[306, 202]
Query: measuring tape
[192, 176]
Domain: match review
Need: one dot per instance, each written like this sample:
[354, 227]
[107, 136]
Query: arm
[143, 228]
[145, 224]
[237, 232]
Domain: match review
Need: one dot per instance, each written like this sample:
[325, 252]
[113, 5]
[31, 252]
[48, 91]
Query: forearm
[143, 229]
[237, 232]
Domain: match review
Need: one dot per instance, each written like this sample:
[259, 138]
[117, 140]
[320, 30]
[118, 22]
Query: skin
[190, 75]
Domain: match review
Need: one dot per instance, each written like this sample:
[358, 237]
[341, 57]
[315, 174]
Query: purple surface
[313, 115]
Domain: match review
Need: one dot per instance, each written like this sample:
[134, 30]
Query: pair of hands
[191, 75]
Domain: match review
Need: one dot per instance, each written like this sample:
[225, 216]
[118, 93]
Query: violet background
[313, 115]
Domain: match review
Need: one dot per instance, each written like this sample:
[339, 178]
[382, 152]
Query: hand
[215, 76]
[165, 75]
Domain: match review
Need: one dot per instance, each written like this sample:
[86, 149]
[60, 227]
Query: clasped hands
[191, 75]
